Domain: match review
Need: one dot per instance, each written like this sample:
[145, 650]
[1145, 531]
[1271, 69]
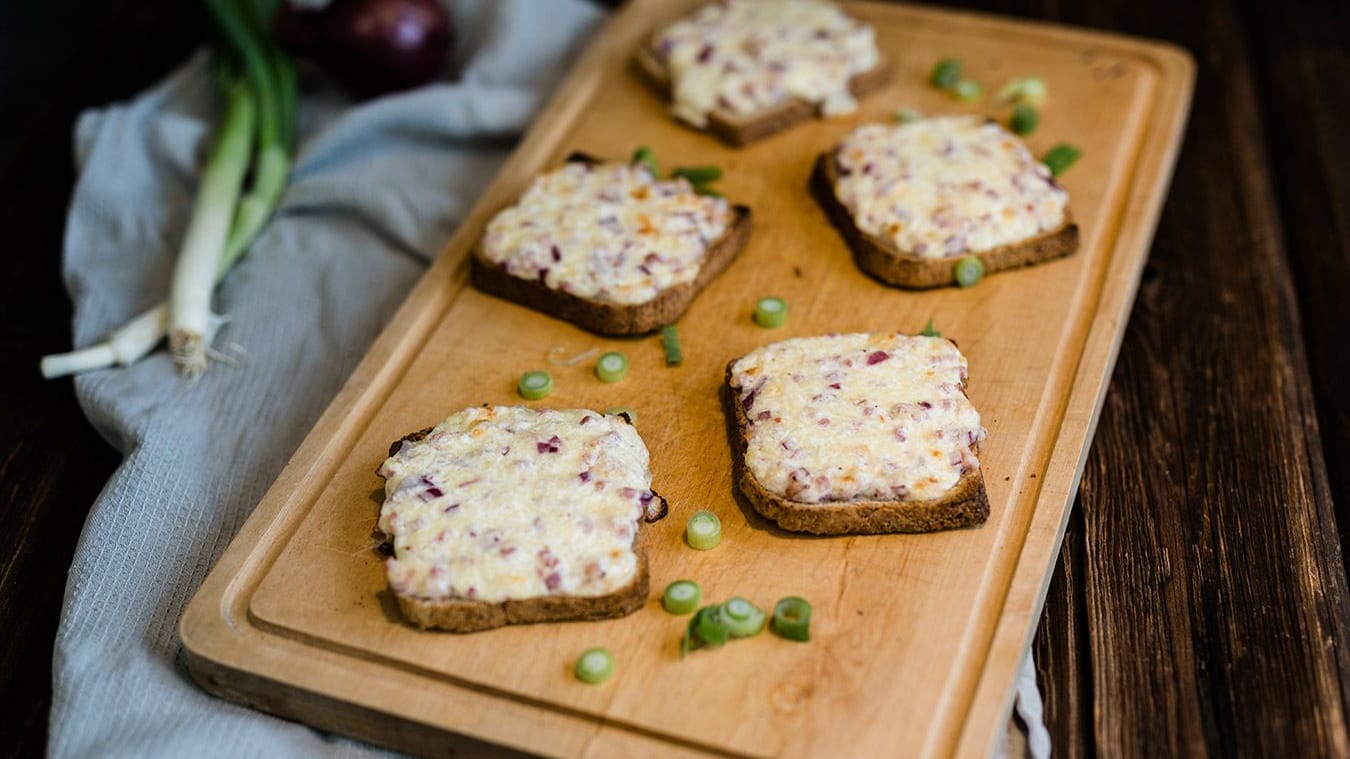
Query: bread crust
[740, 130]
[964, 505]
[465, 616]
[883, 261]
[615, 318]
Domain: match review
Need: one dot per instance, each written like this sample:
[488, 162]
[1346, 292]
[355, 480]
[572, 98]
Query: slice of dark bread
[964, 505]
[740, 130]
[465, 616]
[882, 260]
[615, 318]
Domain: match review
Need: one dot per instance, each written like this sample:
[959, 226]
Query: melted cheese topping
[512, 503]
[747, 56]
[607, 232]
[946, 186]
[857, 417]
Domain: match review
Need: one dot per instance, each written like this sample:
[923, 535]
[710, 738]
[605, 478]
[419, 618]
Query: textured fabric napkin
[376, 190]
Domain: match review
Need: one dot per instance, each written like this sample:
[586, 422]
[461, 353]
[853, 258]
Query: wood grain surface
[1286, 70]
[916, 639]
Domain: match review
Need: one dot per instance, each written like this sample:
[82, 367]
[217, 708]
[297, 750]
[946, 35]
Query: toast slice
[741, 128]
[888, 262]
[595, 311]
[856, 435]
[490, 525]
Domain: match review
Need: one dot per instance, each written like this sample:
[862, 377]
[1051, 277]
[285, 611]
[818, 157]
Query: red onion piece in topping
[876, 357]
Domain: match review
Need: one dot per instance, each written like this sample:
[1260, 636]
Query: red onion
[371, 47]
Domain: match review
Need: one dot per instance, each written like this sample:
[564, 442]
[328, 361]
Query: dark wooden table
[1200, 603]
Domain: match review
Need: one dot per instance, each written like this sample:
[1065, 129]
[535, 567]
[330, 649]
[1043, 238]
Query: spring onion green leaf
[968, 91]
[703, 531]
[792, 619]
[1024, 119]
[670, 340]
[746, 619]
[611, 367]
[595, 665]
[1061, 157]
[929, 330]
[535, 385]
[681, 597]
[1029, 90]
[946, 73]
[645, 155]
[624, 411]
[969, 271]
[771, 312]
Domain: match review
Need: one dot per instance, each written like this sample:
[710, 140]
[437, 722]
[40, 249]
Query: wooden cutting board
[916, 638]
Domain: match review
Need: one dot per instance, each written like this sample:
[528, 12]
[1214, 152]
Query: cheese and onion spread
[946, 186]
[608, 232]
[748, 56]
[857, 417]
[501, 503]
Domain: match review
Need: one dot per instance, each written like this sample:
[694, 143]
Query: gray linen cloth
[376, 191]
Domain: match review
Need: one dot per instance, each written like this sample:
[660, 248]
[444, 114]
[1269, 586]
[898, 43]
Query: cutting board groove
[916, 638]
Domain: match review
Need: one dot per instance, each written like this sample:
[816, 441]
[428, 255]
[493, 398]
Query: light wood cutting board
[916, 638]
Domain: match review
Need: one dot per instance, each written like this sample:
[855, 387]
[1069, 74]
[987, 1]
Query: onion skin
[371, 47]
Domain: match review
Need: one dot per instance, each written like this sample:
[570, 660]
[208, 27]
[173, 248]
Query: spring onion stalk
[744, 618]
[681, 597]
[706, 628]
[929, 330]
[703, 531]
[792, 619]
[194, 275]
[595, 665]
[207, 251]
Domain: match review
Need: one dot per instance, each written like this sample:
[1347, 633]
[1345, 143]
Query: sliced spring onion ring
[969, 271]
[698, 175]
[968, 91]
[1061, 157]
[703, 530]
[1024, 89]
[946, 73]
[645, 155]
[535, 385]
[929, 330]
[595, 665]
[907, 115]
[792, 618]
[611, 367]
[670, 340]
[745, 618]
[681, 597]
[771, 312]
[1024, 119]
[711, 627]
